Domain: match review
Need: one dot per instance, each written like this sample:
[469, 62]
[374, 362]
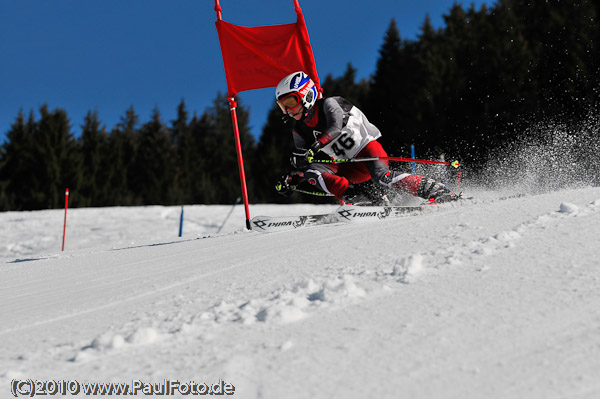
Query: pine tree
[502, 68]
[183, 141]
[224, 170]
[562, 39]
[347, 87]
[39, 161]
[151, 173]
[382, 108]
[214, 168]
[431, 73]
[16, 163]
[61, 163]
[198, 160]
[96, 170]
[122, 151]
[273, 156]
[4, 199]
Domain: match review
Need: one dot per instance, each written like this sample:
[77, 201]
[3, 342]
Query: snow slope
[495, 298]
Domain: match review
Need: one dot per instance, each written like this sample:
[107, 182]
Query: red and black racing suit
[344, 132]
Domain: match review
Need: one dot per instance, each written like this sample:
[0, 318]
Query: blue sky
[107, 55]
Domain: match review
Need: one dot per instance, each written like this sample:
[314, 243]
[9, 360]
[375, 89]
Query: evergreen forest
[464, 91]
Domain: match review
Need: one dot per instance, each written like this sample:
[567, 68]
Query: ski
[343, 214]
[357, 213]
[271, 224]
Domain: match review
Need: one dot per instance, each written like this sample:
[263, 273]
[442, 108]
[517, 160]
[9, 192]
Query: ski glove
[436, 191]
[300, 159]
[287, 184]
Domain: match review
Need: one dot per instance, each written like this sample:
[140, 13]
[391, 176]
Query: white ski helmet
[294, 89]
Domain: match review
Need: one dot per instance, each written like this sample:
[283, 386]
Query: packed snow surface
[497, 297]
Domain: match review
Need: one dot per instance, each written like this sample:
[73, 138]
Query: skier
[332, 128]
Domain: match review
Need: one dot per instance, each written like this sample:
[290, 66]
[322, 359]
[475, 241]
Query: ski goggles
[289, 102]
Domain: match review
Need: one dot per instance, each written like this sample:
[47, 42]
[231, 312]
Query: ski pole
[316, 193]
[237, 201]
[454, 164]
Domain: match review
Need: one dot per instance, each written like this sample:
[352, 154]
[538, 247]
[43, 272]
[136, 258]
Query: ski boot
[365, 194]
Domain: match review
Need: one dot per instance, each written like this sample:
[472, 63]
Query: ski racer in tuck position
[332, 128]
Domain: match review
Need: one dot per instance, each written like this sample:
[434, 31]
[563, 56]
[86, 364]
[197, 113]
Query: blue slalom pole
[412, 153]
[181, 222]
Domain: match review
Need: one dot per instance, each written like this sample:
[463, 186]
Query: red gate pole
[238, 145]
[65, 225]
[240, 159]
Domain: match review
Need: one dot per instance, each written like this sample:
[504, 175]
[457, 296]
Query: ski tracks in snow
[179, 321]
[507, 239]
[350, 285]
[354, 283]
